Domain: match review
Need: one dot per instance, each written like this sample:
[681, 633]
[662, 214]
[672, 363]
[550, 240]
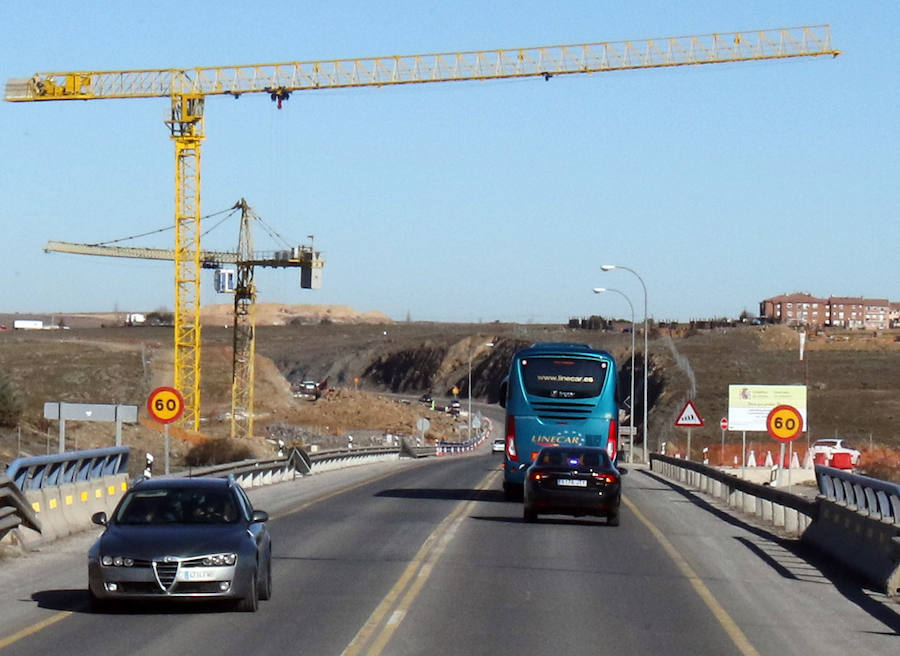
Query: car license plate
[198, 574]
[571, 482]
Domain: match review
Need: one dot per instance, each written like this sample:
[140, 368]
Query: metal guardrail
[15, 510]
[252, 473]
[870, 495]
[781, 508]
[35, 472]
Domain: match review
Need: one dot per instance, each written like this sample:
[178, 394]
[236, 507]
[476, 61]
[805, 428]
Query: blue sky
[721, 185]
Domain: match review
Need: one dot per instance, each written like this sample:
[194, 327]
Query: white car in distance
[831, 446]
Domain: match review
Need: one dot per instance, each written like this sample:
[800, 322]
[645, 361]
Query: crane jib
[281, 79]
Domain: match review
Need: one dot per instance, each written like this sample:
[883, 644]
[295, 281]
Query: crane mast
[188, 88]
[244, 327]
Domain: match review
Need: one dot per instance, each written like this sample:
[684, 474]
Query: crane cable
[230, 212]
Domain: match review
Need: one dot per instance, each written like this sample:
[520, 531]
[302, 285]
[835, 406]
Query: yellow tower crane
[188, 88]
[245, 259]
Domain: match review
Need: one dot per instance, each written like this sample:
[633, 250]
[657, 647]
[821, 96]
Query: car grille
[140, 587]
[165, 573]
[202, 587]
[562, 410]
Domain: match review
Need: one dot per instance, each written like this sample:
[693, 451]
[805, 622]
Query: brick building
[802, 309]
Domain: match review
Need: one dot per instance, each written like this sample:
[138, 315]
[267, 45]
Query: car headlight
[219, 560]
[116, 561]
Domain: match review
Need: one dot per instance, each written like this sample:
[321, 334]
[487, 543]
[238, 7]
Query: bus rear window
[563, 378]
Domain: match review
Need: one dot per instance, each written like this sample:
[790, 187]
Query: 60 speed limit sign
[165, 404]
[784, 423]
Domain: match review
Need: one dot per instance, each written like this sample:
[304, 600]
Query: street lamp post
[469, 421]
[610, 267]
[600, 290]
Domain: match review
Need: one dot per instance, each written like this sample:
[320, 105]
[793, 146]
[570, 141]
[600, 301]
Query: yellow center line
[376, 629]
[731, 628]
[34, 628]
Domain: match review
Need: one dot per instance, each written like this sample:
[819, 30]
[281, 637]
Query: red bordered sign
[165, 404]
[689, 417]
[784, 423]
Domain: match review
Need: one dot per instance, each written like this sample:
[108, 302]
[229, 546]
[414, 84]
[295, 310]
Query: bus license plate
[571, 482]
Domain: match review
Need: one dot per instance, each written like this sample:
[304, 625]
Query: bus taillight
[612, 439]
[511, 439]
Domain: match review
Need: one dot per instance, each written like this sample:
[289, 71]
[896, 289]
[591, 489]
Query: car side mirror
[259, 516]
[502, 393]
[99, 518]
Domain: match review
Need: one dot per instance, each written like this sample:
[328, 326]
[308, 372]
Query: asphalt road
[427, 557]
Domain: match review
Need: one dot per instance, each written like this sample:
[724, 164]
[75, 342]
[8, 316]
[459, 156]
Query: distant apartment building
[802, 309]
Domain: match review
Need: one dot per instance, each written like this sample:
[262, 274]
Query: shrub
[218, 452]
[11, 403]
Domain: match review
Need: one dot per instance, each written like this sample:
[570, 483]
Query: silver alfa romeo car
[182, 538]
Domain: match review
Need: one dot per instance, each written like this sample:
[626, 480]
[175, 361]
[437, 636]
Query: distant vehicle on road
[426, 399]
[182, 538]
[310, 389]
[572, 481]
[832, 446]
[498, 445]
[454, 407]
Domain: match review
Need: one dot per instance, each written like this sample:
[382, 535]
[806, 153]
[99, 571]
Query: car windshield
[178, 506]
[560, 457]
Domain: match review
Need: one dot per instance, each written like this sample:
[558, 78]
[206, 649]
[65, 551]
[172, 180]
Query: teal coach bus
[557, 394]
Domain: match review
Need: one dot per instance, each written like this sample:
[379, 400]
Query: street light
[610, 267]
[600, 290]
[471, 354]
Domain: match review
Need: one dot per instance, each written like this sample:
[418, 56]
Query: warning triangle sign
[689, 417]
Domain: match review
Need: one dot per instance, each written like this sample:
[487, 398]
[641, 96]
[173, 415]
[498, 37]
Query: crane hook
[278, 95]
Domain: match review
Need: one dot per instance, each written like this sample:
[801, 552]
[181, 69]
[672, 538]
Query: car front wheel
[250, 603]
[265, 591]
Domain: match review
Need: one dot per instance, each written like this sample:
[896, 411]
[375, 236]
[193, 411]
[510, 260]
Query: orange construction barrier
[841, 461]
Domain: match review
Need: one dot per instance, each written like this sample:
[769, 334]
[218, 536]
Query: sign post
[165, 405]
[89, 412]
[688, 418]
[723, 424]
[784, 424]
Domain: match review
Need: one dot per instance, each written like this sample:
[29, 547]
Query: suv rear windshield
[563, 378]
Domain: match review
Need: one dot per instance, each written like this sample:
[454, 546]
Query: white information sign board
[749, 405]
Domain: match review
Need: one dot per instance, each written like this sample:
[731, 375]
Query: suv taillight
[511, 439]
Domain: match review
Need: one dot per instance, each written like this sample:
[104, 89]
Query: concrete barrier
[67, 509]
[865, 544]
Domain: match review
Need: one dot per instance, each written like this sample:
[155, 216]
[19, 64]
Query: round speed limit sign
[165, 404]
[784, 423]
